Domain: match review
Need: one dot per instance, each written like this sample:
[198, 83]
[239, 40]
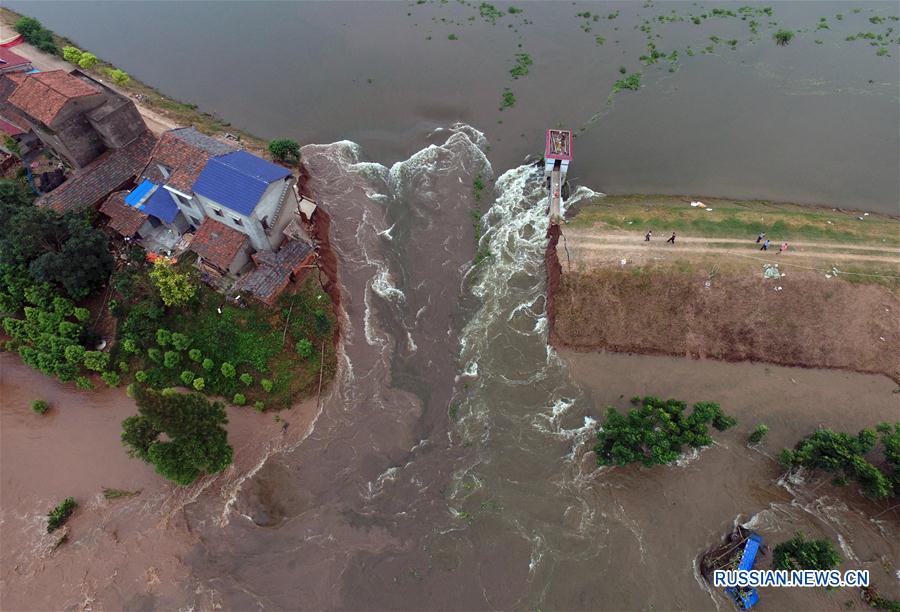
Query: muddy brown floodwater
[449, 465]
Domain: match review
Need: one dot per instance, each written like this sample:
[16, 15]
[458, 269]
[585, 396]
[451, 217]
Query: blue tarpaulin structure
[746, 597]
[139, 193]
[161, 205]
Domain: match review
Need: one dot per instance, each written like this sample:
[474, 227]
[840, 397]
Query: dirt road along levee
[707, 297]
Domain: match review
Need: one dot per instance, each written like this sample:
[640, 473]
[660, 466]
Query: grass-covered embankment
[707, 297]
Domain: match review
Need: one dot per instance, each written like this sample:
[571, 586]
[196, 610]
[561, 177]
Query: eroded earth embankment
[707, 297]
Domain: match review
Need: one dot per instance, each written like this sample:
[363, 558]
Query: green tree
[87, 60]
[180, 341]
[40, 406]
[112, 379]
[285, 150]
[304, 348]
[57, 517]
[267, 385]
[246, 379]
[798, 553]
[62, 250]
[844, 456]
[163, 337]
[227, 370]
[758, 434]
[199, 384]
[175, 288]
[119, 77]
[195, 440]
[656, 431]
[35, 33]
[140, 376]
[171, 359]
[71, 54]
[783, 37]
[96, 360]
[208, 364]
[195, 355]
[239, 399]
[187, 377]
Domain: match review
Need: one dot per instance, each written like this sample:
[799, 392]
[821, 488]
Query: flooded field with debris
[450, 466]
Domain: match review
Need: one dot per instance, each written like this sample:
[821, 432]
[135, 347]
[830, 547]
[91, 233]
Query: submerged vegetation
[523, 61]
[57, 517]
[657, 431]
[844, 455]
[798, 553]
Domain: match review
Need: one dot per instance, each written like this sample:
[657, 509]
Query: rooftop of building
[217, 243]
[238, 180]
[43, 95]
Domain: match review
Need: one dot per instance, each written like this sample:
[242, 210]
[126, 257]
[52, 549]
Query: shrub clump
[60, 514]
[758, 434]
[40, 406]
[798, 553]
[656, 432]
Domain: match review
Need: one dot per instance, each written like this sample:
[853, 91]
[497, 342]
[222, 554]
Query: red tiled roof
[184, 151]
[274, 268]
[111, 171]
[217, 243]
[125, 219]
[8, 59]
[44, 94]
[10, 129]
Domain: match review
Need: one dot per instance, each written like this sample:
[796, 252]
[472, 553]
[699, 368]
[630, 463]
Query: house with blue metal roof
[248, 194]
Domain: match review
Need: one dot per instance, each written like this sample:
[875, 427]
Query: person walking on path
[648, 235]
[671, 238]
[765, 246]
[760, 237]
[783, 247]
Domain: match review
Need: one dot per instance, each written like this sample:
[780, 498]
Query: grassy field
[737, 219]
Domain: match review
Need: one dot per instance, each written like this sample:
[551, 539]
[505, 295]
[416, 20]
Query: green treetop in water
[657, 431]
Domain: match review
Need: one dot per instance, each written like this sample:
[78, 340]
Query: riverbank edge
[554, 275]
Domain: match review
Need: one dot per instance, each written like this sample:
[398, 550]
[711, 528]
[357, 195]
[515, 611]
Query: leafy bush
[267, 385]
[40, 406]
[123, 367]
[246, 379]
[284, 150]
[195, 355]
[656, 432]
[180, 341]
[199, 384]
[119, 77]
[798, 553]
[239, 399]
[71, 54]
[844, 455]
[154, 354]
[187, 377]
[87, 60]
[227, 370]
[758, 434]
[96, 360]
[208, 364]
[304, 348]
[60, 514]
[175, 288]
[35, 33]
[171, 359]
[112, 379]
[140, 376]
[259, 406]
[195, 440]
[129, 345]
[84, 383]
[163, 337]
[75, 354]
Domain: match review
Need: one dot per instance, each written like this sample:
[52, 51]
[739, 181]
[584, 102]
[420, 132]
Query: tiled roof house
[75, 116]
[13, 62]
[275, 270]
[221, 247]
[248, 194]
[112, 171]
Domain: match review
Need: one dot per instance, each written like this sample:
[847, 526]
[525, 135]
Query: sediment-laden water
[449, 464]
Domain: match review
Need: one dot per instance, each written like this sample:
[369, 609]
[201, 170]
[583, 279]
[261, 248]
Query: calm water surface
[807, 122]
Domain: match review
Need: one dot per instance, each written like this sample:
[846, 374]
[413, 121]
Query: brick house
[75, 116]
[222, 250]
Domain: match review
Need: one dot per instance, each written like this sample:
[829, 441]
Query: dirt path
[586, 246]
[45, 62]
